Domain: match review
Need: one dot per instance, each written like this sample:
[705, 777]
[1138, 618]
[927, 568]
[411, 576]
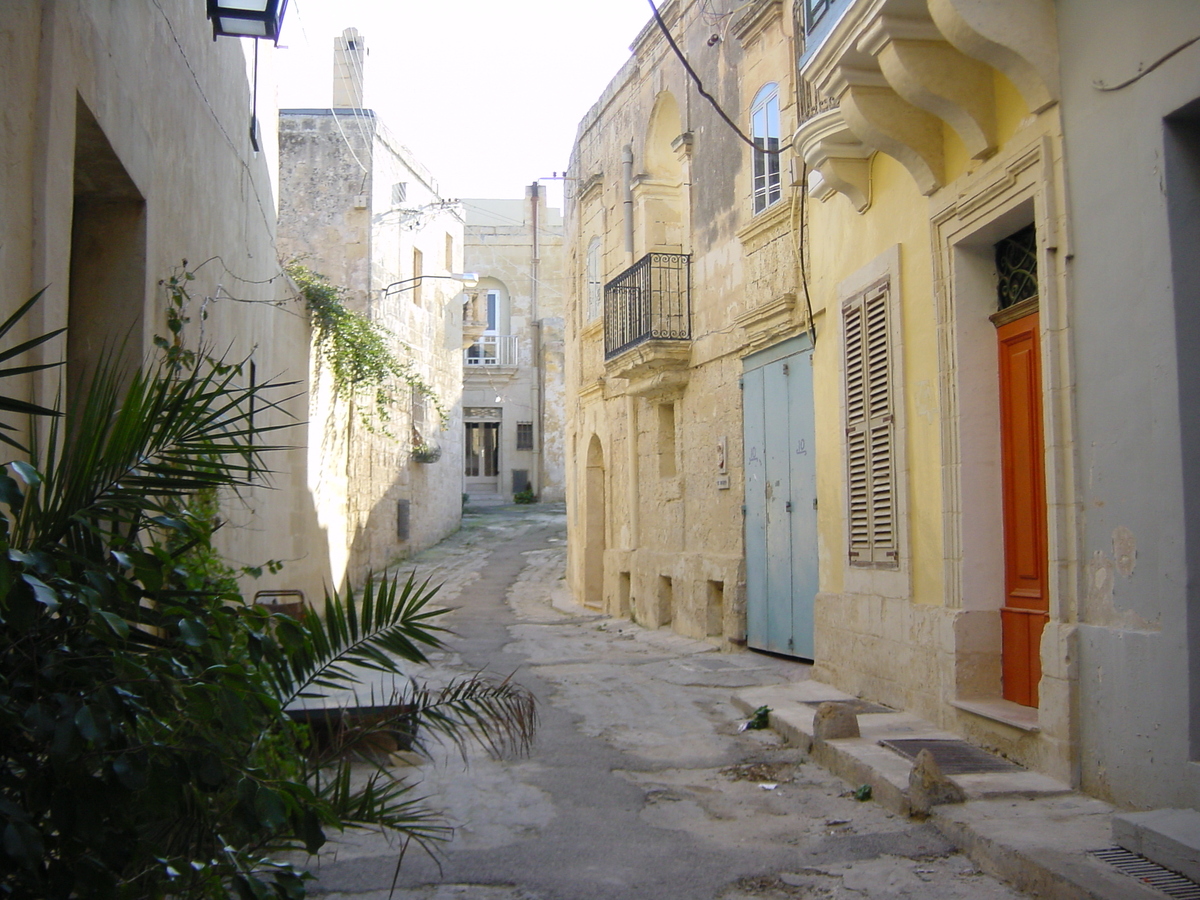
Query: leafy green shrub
[356, 349]
[146, 748]
[426, 453]
[525, 496]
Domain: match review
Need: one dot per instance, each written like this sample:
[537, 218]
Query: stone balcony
[900, 69]
[647, 323]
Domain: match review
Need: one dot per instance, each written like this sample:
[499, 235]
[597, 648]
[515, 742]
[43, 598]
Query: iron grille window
[524, 435]
[651, 300]
[870, 431]
[1016, 266]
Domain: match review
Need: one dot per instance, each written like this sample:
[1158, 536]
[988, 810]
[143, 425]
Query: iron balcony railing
[812, 102]
[492, 350]
[649, 301]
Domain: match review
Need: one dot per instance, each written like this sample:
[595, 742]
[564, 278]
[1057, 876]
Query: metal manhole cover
[858, 707]
[953, 757]
[1136, 866]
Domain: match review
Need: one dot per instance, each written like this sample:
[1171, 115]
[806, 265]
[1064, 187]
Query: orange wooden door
[1026, 598]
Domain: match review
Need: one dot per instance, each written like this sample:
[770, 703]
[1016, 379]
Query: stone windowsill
[1006, 712]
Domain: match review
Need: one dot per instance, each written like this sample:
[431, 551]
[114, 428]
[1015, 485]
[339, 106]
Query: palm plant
[146, 749]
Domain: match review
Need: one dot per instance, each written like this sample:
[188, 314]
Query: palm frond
[8, 324]
[128, 446]
[382, 802]
[15, 404]
[499, 715]
[390, 625]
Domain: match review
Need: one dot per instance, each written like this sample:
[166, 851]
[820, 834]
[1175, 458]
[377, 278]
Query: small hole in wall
[666, 601]
[715, 608]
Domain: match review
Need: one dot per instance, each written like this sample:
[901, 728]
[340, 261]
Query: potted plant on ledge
[426, 452]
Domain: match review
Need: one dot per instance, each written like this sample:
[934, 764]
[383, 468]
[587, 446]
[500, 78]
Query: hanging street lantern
[247, 18]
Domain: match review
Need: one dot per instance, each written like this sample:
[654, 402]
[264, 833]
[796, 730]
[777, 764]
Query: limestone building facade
[513, 406]
[909, 399]
[125, 149]
[682, 260]
[358, 208]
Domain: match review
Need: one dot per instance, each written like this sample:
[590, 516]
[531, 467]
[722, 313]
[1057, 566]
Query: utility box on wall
[402, 517]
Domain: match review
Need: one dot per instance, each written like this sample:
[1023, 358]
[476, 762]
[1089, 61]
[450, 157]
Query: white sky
[486, 93]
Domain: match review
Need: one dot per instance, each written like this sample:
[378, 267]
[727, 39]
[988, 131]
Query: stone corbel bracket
[682, 145]
[1016, 37]
[884, 119]
[838, 161]
[899, 69]
[932, 75]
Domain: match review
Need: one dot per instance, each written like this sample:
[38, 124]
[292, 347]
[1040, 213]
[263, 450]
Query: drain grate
[953, 757]
[1135, 866]
[858, 707]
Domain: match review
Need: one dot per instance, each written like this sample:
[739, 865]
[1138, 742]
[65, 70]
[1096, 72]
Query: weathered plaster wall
[175, 108]
[880, 643]
[341, 215]
[1132, 197]
[672, 537]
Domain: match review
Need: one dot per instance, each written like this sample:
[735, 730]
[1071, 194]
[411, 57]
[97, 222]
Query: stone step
[487, 500]
[1024, 827]
[1169, 837]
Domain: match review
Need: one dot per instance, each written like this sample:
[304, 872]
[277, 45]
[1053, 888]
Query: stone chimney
[349, 55]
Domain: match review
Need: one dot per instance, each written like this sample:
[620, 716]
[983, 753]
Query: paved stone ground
[640, 784]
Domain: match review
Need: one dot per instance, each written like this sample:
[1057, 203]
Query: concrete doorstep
[1022, 827]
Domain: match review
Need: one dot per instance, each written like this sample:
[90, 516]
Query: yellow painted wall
[841, 241]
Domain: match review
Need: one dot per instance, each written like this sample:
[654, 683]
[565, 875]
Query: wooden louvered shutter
[870, 431]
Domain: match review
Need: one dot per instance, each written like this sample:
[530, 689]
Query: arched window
[595, 287]
[764, 128]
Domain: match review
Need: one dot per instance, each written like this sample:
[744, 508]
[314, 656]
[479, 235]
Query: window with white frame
[595, 288]
[870, 430]
[764, 129]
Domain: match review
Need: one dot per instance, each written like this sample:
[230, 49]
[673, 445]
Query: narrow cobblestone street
[640, 784]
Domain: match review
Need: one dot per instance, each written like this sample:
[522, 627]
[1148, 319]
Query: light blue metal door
[781, 516]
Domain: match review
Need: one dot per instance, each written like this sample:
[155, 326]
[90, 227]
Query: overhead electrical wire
[358, 78]
[1143, 72]
[332, 111]
[662, 26]
[742, 135]
[268, 218]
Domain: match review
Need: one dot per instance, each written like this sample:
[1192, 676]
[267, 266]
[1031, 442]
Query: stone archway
[659, 192]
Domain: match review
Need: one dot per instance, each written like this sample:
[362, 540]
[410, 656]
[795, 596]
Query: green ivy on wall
[357, 350]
